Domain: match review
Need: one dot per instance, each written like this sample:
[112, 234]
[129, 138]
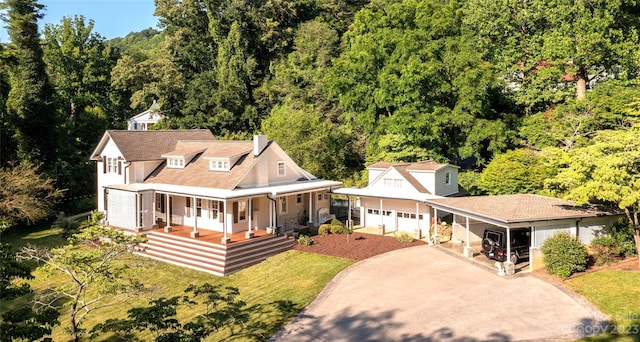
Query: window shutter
[235, 212]
[119, 166]
[104, 164]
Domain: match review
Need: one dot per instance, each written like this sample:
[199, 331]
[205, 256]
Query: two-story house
[395, 196]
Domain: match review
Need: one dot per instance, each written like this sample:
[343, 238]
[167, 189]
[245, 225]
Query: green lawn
[291, 279]
[617, 294]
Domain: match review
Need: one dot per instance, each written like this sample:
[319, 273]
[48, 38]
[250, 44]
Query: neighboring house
[146, 119]
[188, 181]
[394, 199]
[408, 196]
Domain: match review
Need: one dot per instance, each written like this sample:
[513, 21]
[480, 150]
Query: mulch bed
[356, 246]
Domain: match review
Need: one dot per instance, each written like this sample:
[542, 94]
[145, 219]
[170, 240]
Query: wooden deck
[209, 235]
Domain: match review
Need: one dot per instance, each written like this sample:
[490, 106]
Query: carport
[543, 215]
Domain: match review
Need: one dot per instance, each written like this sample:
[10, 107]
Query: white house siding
[122, 215]
[592, 227]
[109, 178]
[444, 188]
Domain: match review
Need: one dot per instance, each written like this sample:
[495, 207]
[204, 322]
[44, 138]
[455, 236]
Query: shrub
[604, 247]
[324, 229]
[305, 231]
[403, 237]
[338, 227]
[305, 240]
[564, 255]
[622, 232]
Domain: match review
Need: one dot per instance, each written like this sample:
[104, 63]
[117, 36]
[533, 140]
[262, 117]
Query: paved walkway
[426, 294]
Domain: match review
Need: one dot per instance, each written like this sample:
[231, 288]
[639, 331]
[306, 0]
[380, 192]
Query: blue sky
[112, 18]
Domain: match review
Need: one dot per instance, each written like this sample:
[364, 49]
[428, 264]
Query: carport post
[509, 267]
[468, 251]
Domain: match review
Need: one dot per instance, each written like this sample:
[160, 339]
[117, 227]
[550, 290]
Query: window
[392, 183]
[187, 211]
[319, 197]
[199, 207]
[386, 212]
[447, 178]
[214, 207]
[298, 198]
[283, 205]
[219, 165]
[176, 163]
[242, 210]
[112, 165]
[282, 171]
[160, 203]
[373, 211]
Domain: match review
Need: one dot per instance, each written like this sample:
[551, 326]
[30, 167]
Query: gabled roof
[153, 110]
[197, 173]
[427, 165]
[148, 145]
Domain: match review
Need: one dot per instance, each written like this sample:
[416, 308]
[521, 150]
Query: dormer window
[447, 178]
[175, 163]
[219, 165]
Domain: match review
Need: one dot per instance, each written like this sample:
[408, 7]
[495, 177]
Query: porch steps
[210, 257]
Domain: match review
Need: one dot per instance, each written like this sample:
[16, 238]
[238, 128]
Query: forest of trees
[519, 90]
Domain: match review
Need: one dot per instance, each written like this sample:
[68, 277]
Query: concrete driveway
[426, 294]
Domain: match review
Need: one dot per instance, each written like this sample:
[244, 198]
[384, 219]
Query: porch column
[468, 251]
[194, 234]
[418, 231]
[225, 239]
[509, 267]
[350, 222]
[249, 234]
[271, 225]
[311, 196]
[435, 239]
[167, 207]
[453, 228]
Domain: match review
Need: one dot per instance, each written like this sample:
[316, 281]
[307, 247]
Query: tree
[514, 172]
[22, 322]
[608, 172]
[26, 195]
[545, 48]
[30, 103]
[408, 70]
[97, 274]
[310, 139]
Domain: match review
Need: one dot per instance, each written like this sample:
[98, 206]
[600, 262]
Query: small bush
[403, 237]
[564, 255]
[305, 231]
[338, 227]
[324, 229]
[605, 247]
[305, 240]
[622, 232]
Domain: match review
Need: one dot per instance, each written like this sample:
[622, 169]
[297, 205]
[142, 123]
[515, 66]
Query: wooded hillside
[339, 84]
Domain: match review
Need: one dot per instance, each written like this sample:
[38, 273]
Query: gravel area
[356, 246]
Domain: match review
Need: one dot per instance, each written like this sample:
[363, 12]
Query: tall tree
[608, 171]
[408, 71]
[550, 50]
[79, 65]
[30, 103]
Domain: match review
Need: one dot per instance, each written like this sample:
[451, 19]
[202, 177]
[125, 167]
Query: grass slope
[274, 290]
[617, 294]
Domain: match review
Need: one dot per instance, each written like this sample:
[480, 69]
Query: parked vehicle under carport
[494, 244]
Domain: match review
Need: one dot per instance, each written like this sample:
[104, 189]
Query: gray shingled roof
[520, 207]
[151, 145]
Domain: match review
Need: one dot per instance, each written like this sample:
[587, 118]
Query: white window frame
[219, 165]
[112, 165]
[283, 205]
[282, 169]
[447, 178]
[242, 211]
[214, 208]
[175, 163]
[298, 198]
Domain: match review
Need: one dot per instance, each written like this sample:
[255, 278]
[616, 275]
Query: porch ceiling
[274, 190]
[516, 210]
